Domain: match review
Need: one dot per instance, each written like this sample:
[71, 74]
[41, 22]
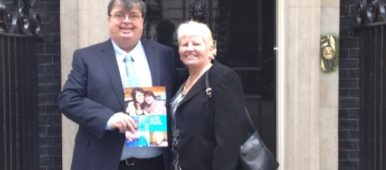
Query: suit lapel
[195, 90]
[200, 86]
[108, 58]
[153, 61]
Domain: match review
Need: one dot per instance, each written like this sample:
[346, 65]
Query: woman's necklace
[191, 81]
[187, 85]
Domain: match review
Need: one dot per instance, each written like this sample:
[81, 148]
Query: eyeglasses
[122, 16]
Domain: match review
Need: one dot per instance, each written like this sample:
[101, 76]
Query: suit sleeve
[75, 104]
[229, 125]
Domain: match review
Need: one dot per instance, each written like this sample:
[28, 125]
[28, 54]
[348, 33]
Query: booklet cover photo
[146, 105]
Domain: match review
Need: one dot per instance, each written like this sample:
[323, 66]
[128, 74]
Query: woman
[136, 106]
[207, 132]
[152, 105]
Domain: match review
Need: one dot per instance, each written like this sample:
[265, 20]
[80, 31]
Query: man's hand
[130, 135]
[123, 122]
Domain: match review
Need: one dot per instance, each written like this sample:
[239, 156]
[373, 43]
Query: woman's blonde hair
[193, 28]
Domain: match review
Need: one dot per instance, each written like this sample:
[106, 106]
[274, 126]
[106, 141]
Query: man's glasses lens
[121, 16]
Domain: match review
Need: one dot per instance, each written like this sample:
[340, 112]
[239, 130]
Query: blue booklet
[146, 105]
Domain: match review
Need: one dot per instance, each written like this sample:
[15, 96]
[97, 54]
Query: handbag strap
[208, 91]
[249, 119]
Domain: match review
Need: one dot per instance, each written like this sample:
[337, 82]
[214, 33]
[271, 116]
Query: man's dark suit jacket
[212, 129]
[94, 91]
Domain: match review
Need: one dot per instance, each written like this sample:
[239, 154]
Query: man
[93, 95]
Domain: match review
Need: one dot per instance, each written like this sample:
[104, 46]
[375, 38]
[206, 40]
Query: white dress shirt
[142, 69]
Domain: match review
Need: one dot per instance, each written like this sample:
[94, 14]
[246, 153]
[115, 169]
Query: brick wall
[50, 153]
[348, 88]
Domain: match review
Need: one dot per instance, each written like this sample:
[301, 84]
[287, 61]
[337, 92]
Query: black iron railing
[371, 19]
[19, 29]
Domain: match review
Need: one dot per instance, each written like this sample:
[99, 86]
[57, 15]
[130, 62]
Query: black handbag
[254, 155]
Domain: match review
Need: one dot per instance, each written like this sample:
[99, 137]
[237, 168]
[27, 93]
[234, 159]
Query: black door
[245, 34]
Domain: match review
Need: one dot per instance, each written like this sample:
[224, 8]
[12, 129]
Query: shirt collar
[133, 53]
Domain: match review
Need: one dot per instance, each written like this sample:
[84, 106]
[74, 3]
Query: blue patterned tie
[132, 80]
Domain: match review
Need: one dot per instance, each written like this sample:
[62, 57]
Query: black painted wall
[348, 88]
[50, 144]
